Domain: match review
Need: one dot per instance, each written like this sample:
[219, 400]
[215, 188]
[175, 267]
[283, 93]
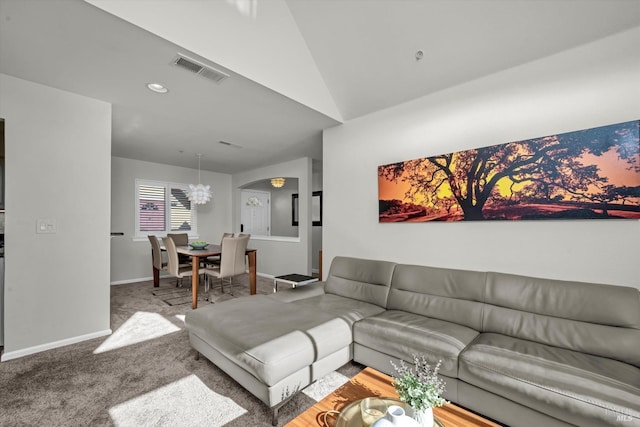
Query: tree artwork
[592, 173]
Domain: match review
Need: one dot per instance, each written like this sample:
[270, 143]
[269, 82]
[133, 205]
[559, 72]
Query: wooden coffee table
[370, 382]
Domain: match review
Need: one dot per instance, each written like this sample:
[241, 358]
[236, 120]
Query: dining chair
[232, 262]
[156, 254]
[174, 267]
[215, 259]
[181, 239]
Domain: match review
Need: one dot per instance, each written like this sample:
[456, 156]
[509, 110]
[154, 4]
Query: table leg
[252, 272]
[195, 275]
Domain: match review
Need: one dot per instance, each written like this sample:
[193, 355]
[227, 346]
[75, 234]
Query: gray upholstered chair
[174, 267]
[215, 260]
[232, 262]
[156, 254]
[181, 239]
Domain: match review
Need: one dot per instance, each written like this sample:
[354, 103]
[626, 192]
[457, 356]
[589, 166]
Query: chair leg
[207, 290]
[231, 286]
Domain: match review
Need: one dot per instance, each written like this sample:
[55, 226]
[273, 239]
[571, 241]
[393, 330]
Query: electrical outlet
[46, 226]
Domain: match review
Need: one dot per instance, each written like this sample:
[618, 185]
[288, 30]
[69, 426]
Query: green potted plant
[420, 387]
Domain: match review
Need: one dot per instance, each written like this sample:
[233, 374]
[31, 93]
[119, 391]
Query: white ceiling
[364, 51]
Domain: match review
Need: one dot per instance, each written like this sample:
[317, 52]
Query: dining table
[197, 255]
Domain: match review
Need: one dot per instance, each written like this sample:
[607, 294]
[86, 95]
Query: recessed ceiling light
[157, 87]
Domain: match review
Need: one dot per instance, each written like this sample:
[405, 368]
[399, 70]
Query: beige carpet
[144, 374]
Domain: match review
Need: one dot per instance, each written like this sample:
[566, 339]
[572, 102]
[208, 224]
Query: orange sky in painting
[388, 190]
[614, 168]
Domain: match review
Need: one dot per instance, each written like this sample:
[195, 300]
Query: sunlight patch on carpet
[180, 317]
[325, 385]
[142, 326]
[186, 402]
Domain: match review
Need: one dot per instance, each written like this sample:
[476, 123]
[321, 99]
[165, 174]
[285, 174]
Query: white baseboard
[127, 281]
[49, 346]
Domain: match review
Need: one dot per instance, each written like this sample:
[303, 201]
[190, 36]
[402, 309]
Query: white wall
[130, 258]
[286, 255]
[58, 155]
[590, 86]
[281, 209]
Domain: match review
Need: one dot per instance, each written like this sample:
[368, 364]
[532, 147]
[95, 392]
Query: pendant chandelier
[199, 194]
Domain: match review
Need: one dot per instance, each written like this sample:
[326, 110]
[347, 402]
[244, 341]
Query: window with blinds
[163, 207]
[180, 210]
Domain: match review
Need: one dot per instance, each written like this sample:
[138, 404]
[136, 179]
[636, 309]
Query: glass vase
[424, 417]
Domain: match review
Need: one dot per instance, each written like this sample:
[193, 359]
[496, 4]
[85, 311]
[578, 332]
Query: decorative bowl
[198, 245]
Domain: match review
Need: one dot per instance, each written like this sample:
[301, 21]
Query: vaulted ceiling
[295, 67]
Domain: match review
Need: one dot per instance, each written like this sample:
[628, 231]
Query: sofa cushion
[362, 279]
[578, 388]
[401, 334]
[441, 293]
[602, 320]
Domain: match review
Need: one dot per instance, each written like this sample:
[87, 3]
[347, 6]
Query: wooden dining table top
[210, 250]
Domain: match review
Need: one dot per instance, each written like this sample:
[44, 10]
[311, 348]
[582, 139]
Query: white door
[255, 213]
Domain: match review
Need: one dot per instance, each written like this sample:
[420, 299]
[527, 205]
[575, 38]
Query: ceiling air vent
[228, 144]
[194, 66]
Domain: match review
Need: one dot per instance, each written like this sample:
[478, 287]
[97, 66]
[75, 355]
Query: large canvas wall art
[587, 174]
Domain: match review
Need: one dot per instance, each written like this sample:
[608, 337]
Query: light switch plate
[46, 226]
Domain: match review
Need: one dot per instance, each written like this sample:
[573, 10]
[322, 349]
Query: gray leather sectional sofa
[524, 351]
